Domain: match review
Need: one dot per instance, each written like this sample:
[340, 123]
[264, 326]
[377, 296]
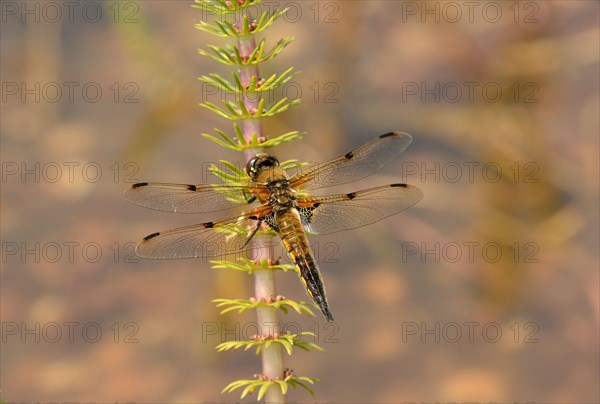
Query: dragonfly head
[260, 162]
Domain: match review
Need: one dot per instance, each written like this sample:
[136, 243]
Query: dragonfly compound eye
[259, 162]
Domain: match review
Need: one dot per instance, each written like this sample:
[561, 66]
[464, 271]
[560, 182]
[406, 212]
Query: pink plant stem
[264, 288]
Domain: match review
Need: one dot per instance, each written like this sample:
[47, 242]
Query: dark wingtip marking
[192, 188]
[388, 135]
[139, 184]
[399, 135]
[351, 195]
[349, 155]
[149, 236]
[399, 185]
[209, 225]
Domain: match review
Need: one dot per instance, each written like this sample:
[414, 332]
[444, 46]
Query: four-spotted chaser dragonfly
[284, 206]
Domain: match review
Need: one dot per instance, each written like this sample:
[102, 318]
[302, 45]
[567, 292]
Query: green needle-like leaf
[224, 114]
[298, 381]
[220, 55]
[263, 390]
[265, 21]
[283, 385]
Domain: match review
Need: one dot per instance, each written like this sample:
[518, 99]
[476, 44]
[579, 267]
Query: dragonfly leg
[259, 222]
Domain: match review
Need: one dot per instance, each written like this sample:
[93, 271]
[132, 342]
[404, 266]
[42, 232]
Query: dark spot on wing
[351, 195]
[387, 135]
[316, 205]
[399, 185]
[149, 236]
[208, 225]
[139, 184]
[349, 155]
[191, 188]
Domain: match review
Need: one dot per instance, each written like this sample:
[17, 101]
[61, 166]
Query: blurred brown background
[487, 290]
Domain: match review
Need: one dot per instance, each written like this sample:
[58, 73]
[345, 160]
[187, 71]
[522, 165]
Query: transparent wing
[206, 240]
[185, 198]
[330, 214]
[359, 163]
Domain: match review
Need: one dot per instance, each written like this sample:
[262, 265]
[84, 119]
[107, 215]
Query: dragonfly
[271, 199]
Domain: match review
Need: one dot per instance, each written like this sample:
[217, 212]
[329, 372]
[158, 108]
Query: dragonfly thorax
[281, 196]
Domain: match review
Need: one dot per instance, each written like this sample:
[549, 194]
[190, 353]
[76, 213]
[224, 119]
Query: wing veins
[331, 214]
[204, 240]
[183, 198]
[359, 163]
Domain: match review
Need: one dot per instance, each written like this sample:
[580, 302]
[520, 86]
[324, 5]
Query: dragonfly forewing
[354, 165]
[187, 198]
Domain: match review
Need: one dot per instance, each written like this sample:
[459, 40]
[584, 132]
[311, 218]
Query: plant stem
[267, 317]
[272, 357]
[249, 126]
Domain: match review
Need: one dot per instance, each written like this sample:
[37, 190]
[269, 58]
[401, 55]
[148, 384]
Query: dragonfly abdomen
[296, 244]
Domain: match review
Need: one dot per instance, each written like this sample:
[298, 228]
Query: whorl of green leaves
[264, 385]
[241, 305]
[287, 340]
